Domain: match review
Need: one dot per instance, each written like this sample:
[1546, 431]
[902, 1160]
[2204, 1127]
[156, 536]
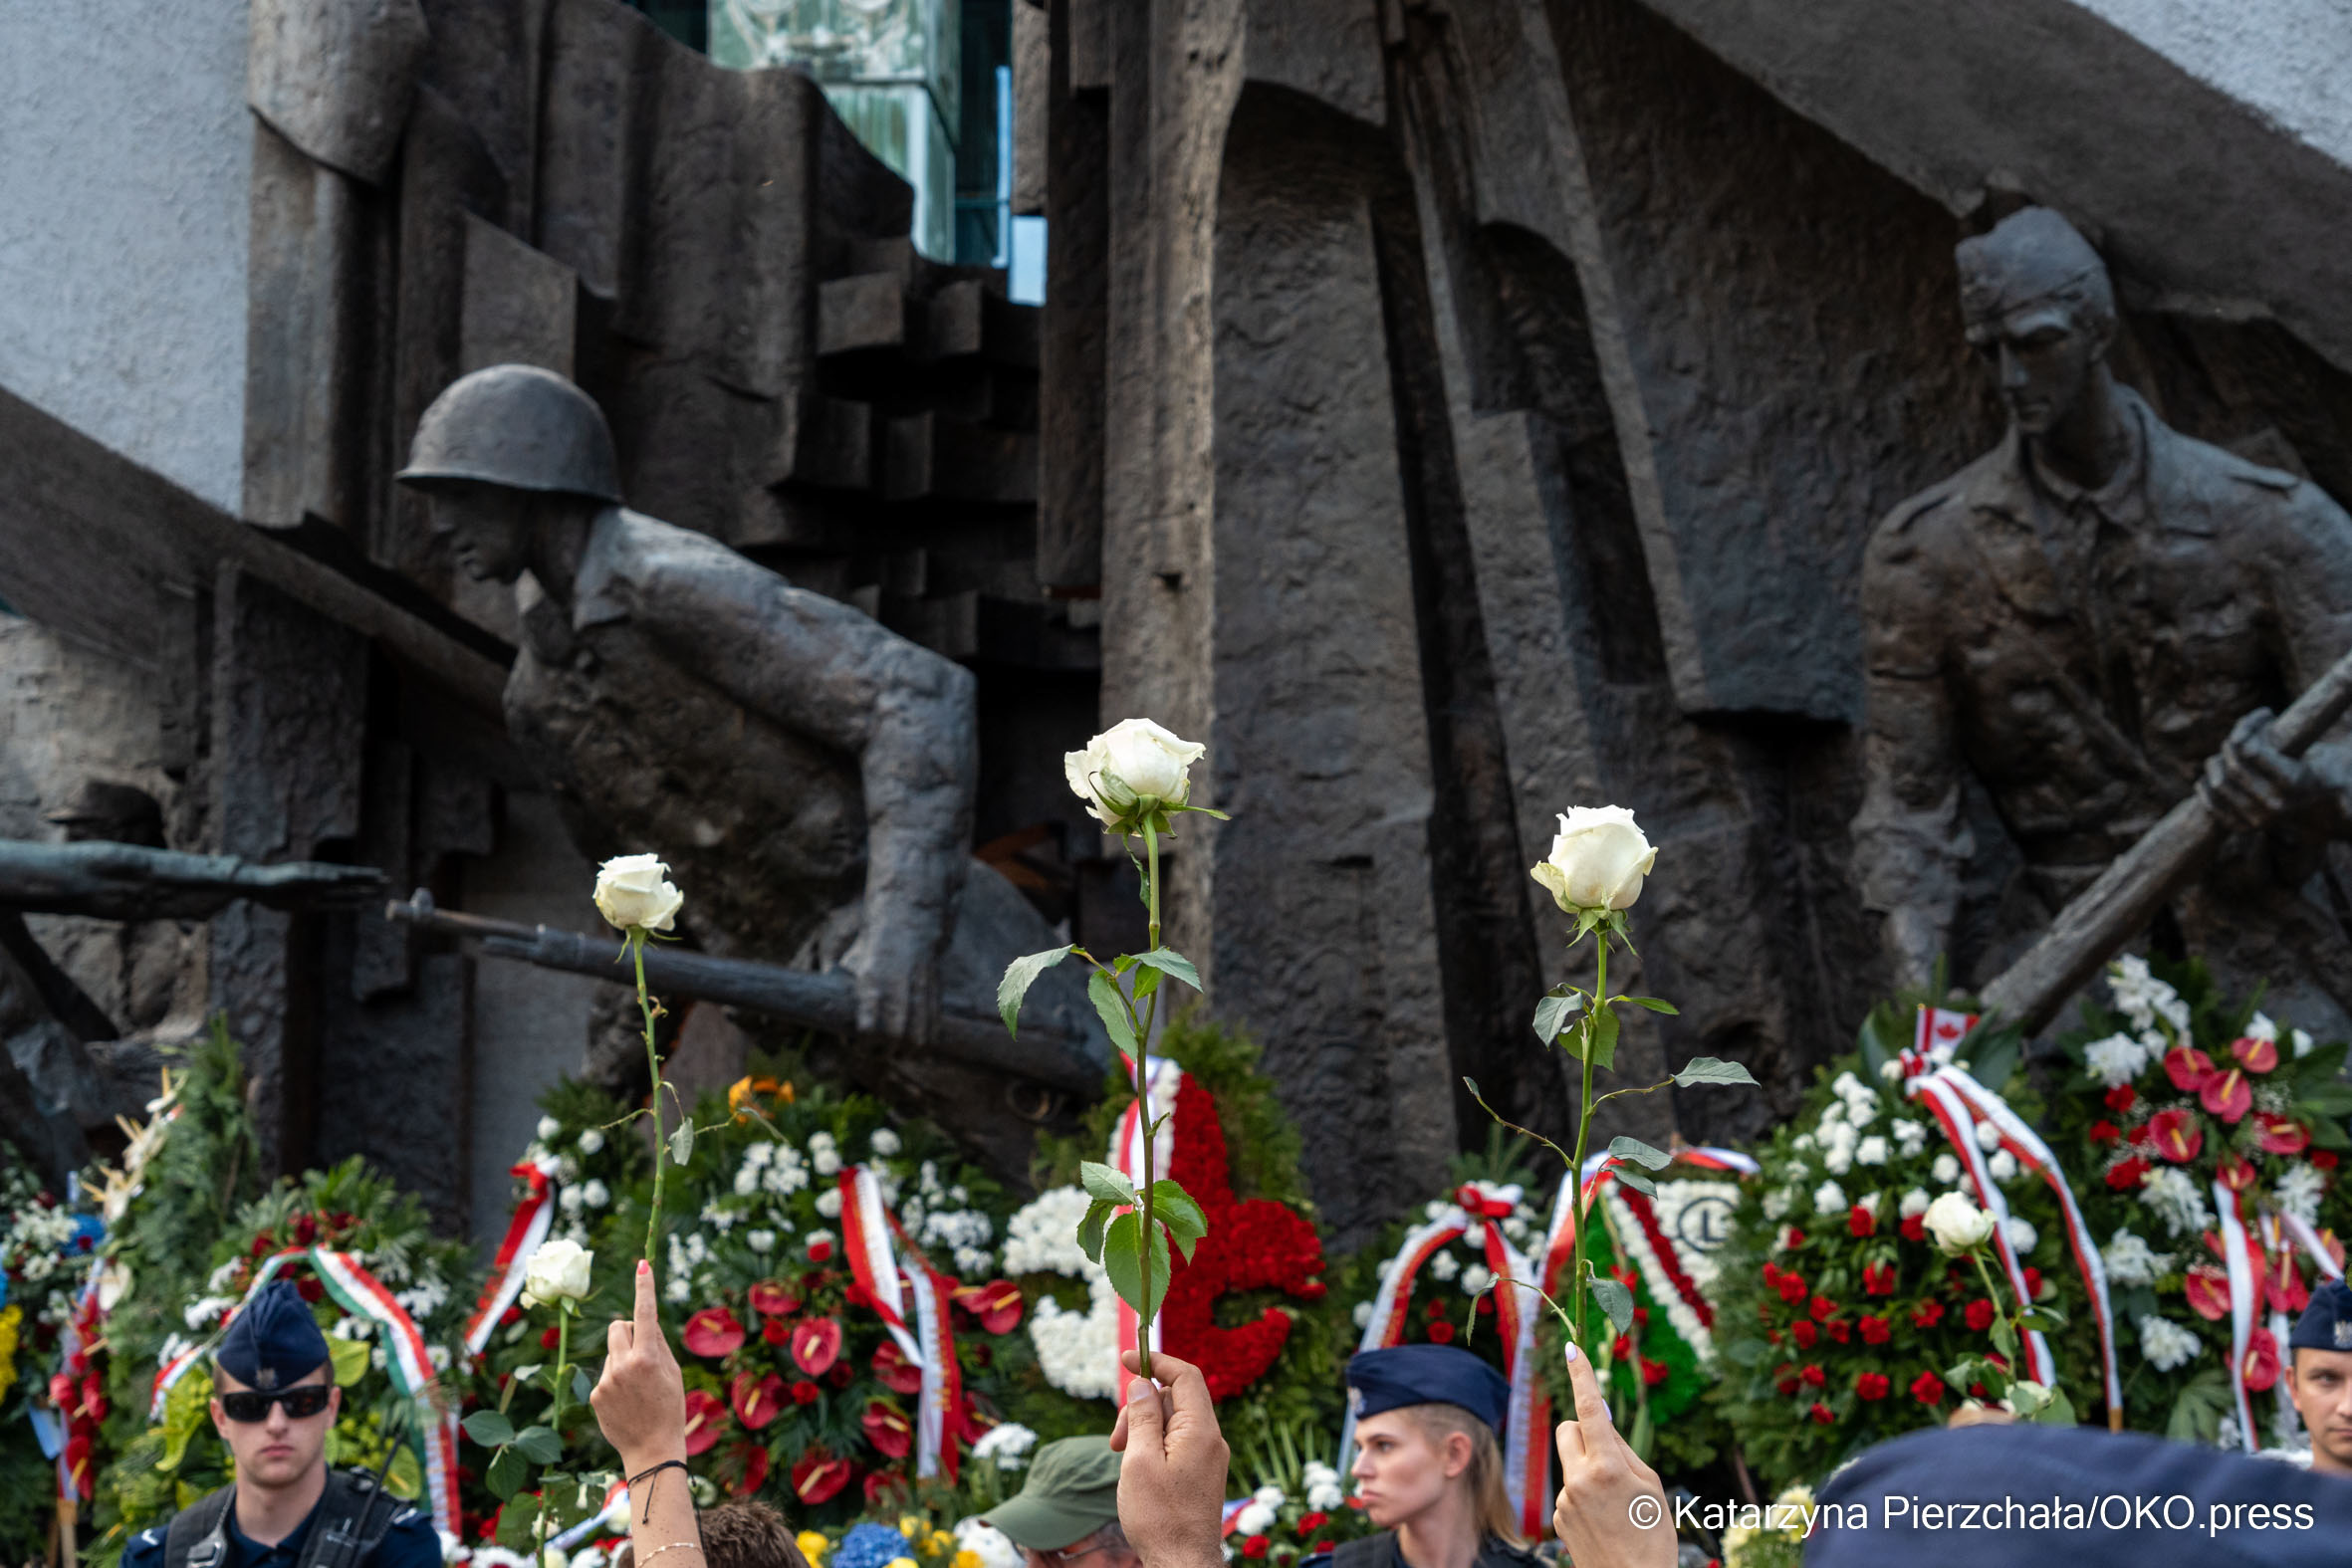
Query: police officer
[1429, 1462]
[274, 1401]
[2319, 1376]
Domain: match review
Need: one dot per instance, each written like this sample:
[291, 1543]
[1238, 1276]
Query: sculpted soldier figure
[807, 773]
[2096, 617]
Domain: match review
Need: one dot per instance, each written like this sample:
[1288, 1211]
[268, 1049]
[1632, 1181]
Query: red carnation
[775, 1331]
[1914, 1229]
[1793, 1240]
[1862, 1221]
[2255, 1055]
[1813, 1376]
[817, 1344]
[706, 1419]
[1875, 1330]
[1652, 1372]
[1788, 1384]
[2262, 1360]
[818, 1251]
[2227, 1095]
[2208, 1290]
[1623, 1349]
[771, 1298]
[894, 1372]
[1820, 1414]
[819, 1476]
[1804, 1332]
[2122, 1098]
[997, 1305]
[2127, 1175]
[551, 1337]
[1792, 1287]
[1255, 1546]
[1839, 1329]
[1927, 1314]
[1979, 1315]
[1823, 1309]
[2188, 1067]
[2032, 1284]
[713, 1332]
[806, 1393]
[757, 1399]
[312, 1288]
[2175, 1135]
[2105, 1132]
[1310, 1523]
[888, 1429]
[1441, 1332]
[1878, 1280]
[1771, 1274]
[2322, 1159]
[1872, 1386]
[2281, 1134]
[1928, 1389]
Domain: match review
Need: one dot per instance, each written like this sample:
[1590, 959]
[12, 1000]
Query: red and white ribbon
[2313, 1247]
[879, 1254]
[1952, 1112]
[524, 1231]
[943, 1377]
[1162, 1079]
[865, 1237]
[2240, 1269]
[617, 1493]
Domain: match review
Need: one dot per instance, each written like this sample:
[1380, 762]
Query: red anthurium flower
[1979, 1315]
[1927, 1314]
[1862, 1221]
[1875, 1330]
[1652, 1372]
[804, 1392]
[2262, 1360]
[816, 1345]
[1823, 1309]
[2281, 1134]
[1806, 1333]
[1914, 1229]
[2227, 1095]
[2105, 1132]
[2282, 1283]
[2208, 1290]
[1792, 1286]
[2236, 1172]
[2122, 1098]
[754, 1470]
[1928, 1389]
[713, 1332]
[2127, 1175]
[819, 1476]
[2255, 1055]
[2188, 1067]
[706, 1419]
[892, 1482]
[2178, 1137]
[771, 1298]
[757, 1399]
[1872, 1386]
[894, 1371]
[888, 1429]
[997, 1305]
[1820, 1414]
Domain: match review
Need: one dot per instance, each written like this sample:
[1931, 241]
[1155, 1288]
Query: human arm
[1172, 1466]
[641, 1405]
[823, 669]
[1611, 1512]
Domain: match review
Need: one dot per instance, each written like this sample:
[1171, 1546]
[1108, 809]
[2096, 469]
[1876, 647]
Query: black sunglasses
[302, 1403]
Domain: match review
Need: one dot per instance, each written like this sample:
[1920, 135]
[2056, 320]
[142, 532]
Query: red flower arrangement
[819, 1478]
[816, 1345]
[713, 1332]
[706, 1421]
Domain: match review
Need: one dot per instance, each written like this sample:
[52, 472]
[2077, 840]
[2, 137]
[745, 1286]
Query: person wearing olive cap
[2319, 1376]
[1067, 1508]
[1429, 1462]
[274, 1400]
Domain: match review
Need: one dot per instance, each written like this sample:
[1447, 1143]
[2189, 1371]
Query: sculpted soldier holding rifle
[2098, 619]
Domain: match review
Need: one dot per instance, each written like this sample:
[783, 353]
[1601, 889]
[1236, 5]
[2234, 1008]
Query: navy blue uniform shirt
[411, 1542]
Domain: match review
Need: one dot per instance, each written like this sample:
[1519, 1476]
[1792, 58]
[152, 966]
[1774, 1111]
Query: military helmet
[518, 425]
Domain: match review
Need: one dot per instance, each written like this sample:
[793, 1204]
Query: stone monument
[2091, 620]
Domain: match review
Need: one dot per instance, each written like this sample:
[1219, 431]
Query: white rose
[1597, 860]
[1130, 770]
[634, 891]
[558, 1272]
[1957, 1225]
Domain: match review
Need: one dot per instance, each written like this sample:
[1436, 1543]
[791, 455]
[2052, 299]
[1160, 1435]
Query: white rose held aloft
[635, 892]
[1132, 769]
[558, 1272]
[1957, 1225]
[1597, 860]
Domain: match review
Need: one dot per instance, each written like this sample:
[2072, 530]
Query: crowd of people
[1428, 1468]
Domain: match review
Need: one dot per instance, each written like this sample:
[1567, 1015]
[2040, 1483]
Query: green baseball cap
[1071, 1491]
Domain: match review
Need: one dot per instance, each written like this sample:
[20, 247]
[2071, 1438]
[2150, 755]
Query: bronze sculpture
[2094, 619]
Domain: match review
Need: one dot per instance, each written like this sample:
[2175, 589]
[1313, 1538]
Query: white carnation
[1915, 1201]
[2130, 1261]
[1947, 1168]
[2003, 1165]
[2165, 1343]
[1871, 1151]
[548, 1128]
[2177, 1199]
[1829, 1199]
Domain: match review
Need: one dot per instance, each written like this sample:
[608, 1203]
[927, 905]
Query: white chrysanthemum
[2166, 1344]
[1363, 1314]
[1042, 1237]
[2130, 1261]
[2175, 1198]
[2002, 1166]
[2116, 1059]
[1006, 1444]
[592, 1142]
[1777, 1203]
[1915, 1201]
[595, 1193]
[1988, 1137]
[1891, 1069]
[352, 1326]
[825, 1162]
[1445, 1265]
[1947, 1168]
[1255, 1519]
[548, 1128]
[2299, 1192]
[1476, 1278]
[2023, 1236]
[828, 1204]
[1871, 1151]
[1434, 1211]
[747, 1181]
[1910, 1135]
[1837, 1162]
[1832, 1115]
[1829, 1199]
[885, 1142]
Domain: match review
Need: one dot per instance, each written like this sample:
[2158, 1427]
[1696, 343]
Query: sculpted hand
[897, 981]
[2250, 782]
[640, 1401]
[1172, 1473]
[1612, 1510]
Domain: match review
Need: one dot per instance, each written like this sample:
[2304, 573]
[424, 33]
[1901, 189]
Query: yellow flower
[967, 1558]
[813, 1546]
[8, 1321]
[939, 1544]
[900, 1562]
[909, 1525]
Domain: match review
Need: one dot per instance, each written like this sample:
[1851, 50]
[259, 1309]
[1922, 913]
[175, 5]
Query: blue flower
[868, 1546]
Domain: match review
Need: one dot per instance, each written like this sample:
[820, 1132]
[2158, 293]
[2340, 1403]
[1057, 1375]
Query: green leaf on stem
[1600, 1032]
[581, 1386]
[1122, 1260]
[2057, 1412]
[682, 1142]
[2004, 1337]
[1615, 1299]
[1641, 1153]
[1148, 983]
[1103, 992]
[1021, 974]
[1635, 1180]
[1171, 963]
[1708, 1070]
[1172, 1206]
[1106, 1184]
[1091, 1227]
[507, 1467]
[539, 1444]
[489, 1429]
[1653, 1004]
[1552, 1015]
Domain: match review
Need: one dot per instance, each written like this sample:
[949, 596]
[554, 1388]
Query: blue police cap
[2326, 1324]
[275, 1341]
[1379, 1380]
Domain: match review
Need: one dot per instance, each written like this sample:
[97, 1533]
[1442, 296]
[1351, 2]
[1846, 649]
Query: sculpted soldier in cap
[2096, 617]
[274, 1399]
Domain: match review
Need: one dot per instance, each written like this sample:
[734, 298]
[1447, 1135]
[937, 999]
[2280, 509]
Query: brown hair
[1492, 1501]
[743, 1533]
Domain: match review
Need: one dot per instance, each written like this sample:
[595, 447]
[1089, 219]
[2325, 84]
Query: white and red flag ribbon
[524, 1231]
[880, 1256]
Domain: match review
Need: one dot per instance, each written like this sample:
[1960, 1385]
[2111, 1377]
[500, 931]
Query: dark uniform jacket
[1380, 1551]
[402, 1537]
